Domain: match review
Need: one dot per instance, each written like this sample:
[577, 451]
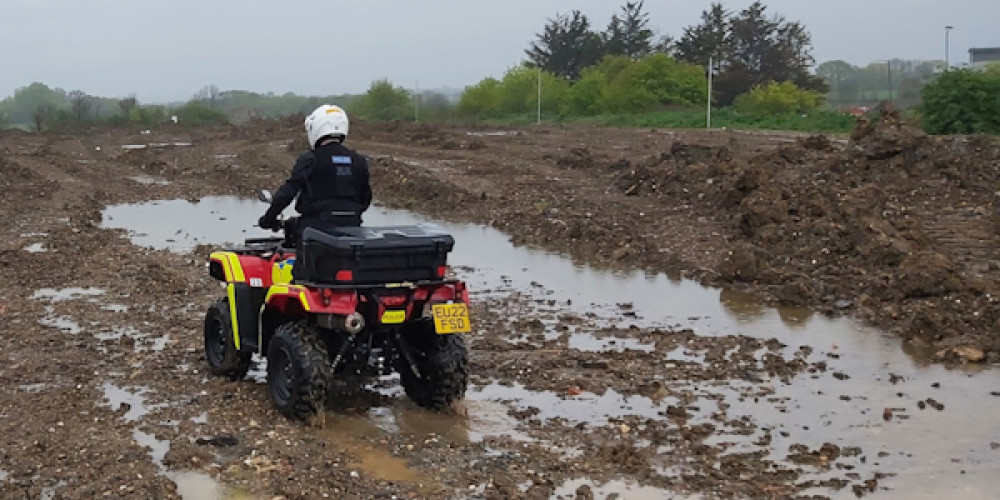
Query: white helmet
[326, 121]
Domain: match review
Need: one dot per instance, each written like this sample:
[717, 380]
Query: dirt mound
[886, 135]
[816, 143]
[690, 154]
[577, 158]
[19, 184]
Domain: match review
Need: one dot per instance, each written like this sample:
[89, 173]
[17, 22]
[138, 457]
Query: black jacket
[330, 178]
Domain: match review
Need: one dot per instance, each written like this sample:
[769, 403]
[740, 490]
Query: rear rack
[386, 286]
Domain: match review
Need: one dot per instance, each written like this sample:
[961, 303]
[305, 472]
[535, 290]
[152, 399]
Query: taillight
[393, 300]
[344, 275]
[442, 271]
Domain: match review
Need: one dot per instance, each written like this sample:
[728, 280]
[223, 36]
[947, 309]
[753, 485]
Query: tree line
[760, 64]
[748, 48]
[39, 107]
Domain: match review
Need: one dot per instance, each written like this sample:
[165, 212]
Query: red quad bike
[364, 301]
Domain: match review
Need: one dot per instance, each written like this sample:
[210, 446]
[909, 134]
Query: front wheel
[443, 364]
[298, 371]
[223, 357]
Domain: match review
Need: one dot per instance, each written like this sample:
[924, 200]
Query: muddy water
[934, 453]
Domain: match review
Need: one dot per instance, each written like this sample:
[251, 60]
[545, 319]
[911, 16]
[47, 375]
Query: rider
[331, 181]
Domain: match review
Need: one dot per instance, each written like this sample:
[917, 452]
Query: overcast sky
[166, 50]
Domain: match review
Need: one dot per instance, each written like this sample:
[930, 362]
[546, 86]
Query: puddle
[180, 225]
[348, 432]
[64, 294]
[49, 492]
[588, 342]
[149, 180]
[494, 133]
[130, 147]
[35, 248]
[200, 486]
[615, 489]
[135, 401]
[33, 388]
[142, 341]
[951, 458]
[191, 485]
[588, 408]
[61, 323]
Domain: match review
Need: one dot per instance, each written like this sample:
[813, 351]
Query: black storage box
[390, 254]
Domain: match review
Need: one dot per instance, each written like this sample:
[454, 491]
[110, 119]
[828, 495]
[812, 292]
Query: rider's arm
[295, 183]
[364, 186]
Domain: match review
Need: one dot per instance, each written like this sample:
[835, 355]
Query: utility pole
[708, 114]
[416, 104]
[890, 81]
[947, 48]
[539, 95]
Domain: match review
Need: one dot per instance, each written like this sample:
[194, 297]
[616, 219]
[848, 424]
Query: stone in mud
[965, 354]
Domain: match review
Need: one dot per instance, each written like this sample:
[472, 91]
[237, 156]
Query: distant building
[982, 57]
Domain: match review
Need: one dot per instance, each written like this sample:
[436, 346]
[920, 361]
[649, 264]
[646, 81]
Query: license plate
[394, 317]
[451, 318]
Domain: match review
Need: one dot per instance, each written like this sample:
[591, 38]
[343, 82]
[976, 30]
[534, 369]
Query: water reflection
[740, 305]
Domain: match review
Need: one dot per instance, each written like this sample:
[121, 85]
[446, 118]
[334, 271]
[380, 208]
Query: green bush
[481, 100]
[778, 98]
[654, 82]
[156, 115]
[993, 70]
[619, 84]
[962, 102]
[384, 101]
[192, 114]
[518, 92]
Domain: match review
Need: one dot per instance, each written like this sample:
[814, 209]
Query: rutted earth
[105, 392]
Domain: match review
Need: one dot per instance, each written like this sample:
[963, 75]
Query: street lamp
[947, 50]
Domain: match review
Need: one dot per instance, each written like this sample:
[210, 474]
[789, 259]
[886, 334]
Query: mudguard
[244, 305]
[294, 300]
[235, 268]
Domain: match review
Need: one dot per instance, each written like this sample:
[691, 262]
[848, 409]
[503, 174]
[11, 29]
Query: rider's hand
[271, 223]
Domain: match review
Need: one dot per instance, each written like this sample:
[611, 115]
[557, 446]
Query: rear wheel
[443, 364]
[298, 371]
[220, 347]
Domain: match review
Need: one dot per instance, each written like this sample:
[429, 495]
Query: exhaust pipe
[352, 323]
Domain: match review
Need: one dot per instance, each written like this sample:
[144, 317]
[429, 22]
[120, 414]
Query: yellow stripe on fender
[231, 293]
[231, 266]
[220, 257]
[289, 291]
[234, 262]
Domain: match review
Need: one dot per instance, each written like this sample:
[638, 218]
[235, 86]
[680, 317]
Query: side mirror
[264, 195]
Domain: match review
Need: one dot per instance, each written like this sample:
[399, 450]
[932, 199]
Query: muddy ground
[104, 384]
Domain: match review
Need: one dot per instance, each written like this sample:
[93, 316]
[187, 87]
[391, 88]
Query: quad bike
[363, 301]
